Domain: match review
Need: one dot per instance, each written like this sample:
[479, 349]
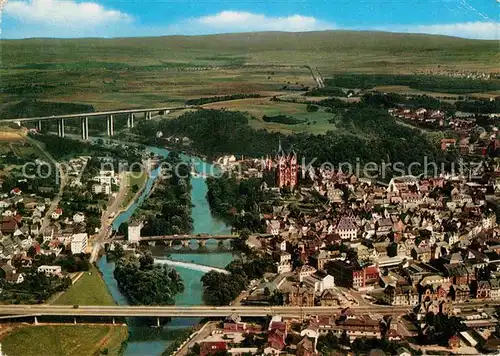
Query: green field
[135, 72]
[90, 289]
[61, 340]
[317, 122]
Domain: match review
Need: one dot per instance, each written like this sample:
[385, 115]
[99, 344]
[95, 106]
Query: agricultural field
[78, 293]
[314, 122]
[62, 340]
[139, 72]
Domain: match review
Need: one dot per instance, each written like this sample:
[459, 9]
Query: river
[141, 342]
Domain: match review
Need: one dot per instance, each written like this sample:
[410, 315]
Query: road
[202, 310]
[317, 77]
[181, 311]
[99, 113]
[202, 334]
[106, 220]
[63, 178]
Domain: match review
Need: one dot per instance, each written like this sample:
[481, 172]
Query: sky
[478, 19]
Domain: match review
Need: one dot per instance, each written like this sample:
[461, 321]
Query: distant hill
[346, 50]
[139, 72]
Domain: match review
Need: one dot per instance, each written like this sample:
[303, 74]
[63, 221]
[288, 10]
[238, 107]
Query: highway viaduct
[18, 311]
[84, 117]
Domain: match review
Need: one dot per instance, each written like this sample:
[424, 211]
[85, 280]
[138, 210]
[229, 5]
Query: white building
[103, 179]
[78, 218]
[79, 243]
[101, 189]
[134, 231]
[319, 284]
[52, 270]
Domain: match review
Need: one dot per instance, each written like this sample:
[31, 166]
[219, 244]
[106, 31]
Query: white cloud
[477, 30]
[69, 18]
[64, 16]
[234, 21]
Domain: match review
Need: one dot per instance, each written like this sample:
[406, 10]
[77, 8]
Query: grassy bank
[62, 340]
[134, 180]
[90, 289]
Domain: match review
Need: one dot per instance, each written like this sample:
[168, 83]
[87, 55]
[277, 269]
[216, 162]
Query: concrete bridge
[23, 311]
[186, 238]
[84, 117]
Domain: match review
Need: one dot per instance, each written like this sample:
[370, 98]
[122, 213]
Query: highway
[204, 311]
[99, 113]
[179, 311]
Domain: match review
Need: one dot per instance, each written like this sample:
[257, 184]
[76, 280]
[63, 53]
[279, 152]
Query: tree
[31, 251]
[118, 251]
[93, 222]
[267, 292]
[392, 249]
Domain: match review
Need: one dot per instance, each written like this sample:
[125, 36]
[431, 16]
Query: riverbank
[90, 289]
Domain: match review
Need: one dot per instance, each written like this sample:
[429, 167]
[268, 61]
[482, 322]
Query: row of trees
[442, 84]
[146, 283]
[214, 99]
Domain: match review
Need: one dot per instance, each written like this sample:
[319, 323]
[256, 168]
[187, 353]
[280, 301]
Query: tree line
[443, 84]
[214, 99]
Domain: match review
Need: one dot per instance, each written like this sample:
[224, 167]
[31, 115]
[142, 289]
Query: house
[347, 228]
[102, 188]
[401, 295]
[56, 214]
[422, 254]
[276, 336]
[273, 227]
[16, 191]
[460, 293]
[50, 270]
[454, 342]
[319, 260]
[335, 195]
[299, 297]
[283, 260]
[318, 283]
[329, 298]
[4, 204]
[305, 271]
[79, 243]
[306, 347]
[9, 225]
[233, 323]
[11, 275]
[483, 289]
[494, 289]
[78, 218]
[212, 347]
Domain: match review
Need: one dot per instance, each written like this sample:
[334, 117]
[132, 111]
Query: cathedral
[286, 167]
